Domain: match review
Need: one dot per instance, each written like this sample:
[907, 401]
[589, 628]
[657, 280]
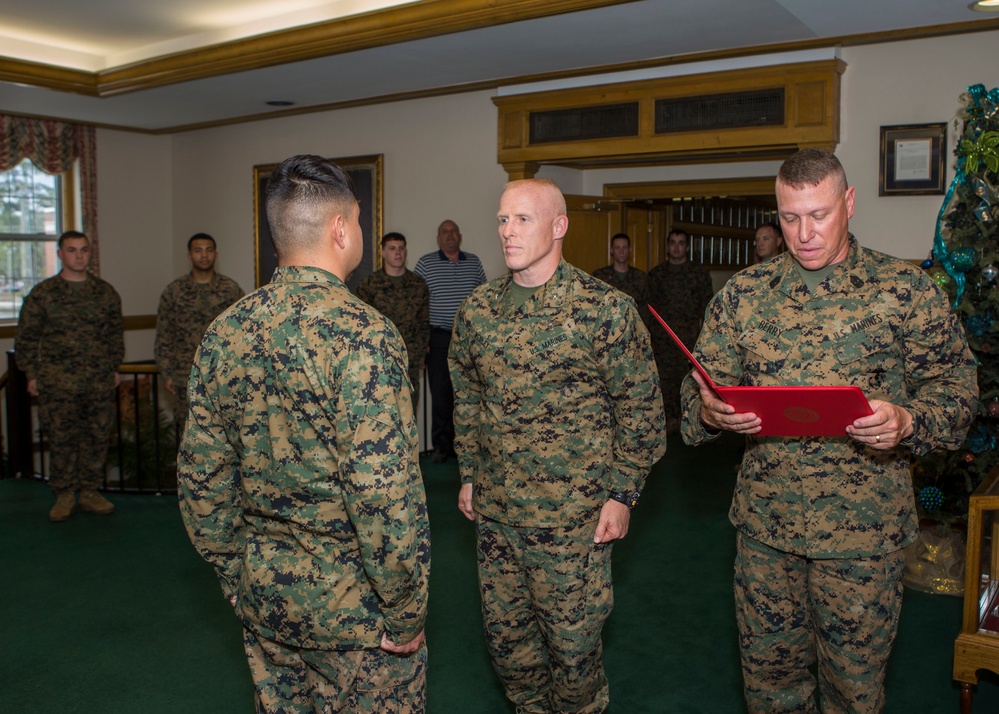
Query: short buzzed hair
[393, 236]
[774, 226]
[199, 236]
[303, 193]
[72, 234]
[620, 235]
[810, 167]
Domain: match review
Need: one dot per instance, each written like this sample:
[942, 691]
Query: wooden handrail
[141, 368]
[149, 368]
[130, 323]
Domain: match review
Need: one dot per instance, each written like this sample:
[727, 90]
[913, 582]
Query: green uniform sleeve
[383, 490]
[718, 339]
[631, 378]
[363, 291]
[166, 338]
[941, 374]
[422, 341]
[467, 398]
[209, 487]
[115, 332]
[30, 328]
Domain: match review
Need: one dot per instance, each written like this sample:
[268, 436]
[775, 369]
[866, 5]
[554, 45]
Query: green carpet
[119, 615]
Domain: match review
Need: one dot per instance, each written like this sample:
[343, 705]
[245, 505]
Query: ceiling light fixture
[985, 6]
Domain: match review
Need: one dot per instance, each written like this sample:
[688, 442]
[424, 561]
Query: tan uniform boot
[94, 502]
[64, 506]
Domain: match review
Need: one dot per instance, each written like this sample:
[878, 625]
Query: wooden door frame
[753, 186]
[622, 193]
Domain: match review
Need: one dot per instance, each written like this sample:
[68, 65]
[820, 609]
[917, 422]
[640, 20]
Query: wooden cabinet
[977, 646]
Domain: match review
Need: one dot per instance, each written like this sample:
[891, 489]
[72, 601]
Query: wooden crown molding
[416, 21]
[8, 328]
[48, 76]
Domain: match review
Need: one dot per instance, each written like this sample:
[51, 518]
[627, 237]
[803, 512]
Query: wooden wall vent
[763, 107]
[581, 123]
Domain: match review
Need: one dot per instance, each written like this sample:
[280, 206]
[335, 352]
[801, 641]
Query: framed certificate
[912, 160]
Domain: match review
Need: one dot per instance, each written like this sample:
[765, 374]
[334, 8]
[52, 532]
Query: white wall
[439, 163]
[134, 218]
[916, 82]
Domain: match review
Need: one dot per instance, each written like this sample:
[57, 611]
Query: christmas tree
[965, 263]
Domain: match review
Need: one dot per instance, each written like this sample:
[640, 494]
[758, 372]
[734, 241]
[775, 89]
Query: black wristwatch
[628, 499]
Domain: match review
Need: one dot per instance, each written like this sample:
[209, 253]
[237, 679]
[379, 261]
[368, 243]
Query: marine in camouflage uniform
[679, 290]
[557, 412]
[626, 278]
[70, 343]
[299, 473]
[405, 300]
[187, 307]
[822, 521]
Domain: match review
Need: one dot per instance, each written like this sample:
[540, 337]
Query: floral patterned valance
[53, 147]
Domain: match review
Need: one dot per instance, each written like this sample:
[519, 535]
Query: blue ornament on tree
[963, 259]
[926, 264]
[931, 498]
[980, 439]
[978, 324]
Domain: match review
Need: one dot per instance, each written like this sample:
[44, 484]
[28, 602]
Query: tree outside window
[30, 223]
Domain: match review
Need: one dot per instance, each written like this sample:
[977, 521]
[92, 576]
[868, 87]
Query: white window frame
[13, 288]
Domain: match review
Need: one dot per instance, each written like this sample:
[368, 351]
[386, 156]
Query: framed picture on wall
[366, 173]
[912, 160]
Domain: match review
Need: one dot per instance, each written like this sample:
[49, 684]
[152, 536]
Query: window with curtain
[30, 223]
[48, 183]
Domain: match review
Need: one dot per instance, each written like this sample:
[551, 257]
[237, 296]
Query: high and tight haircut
[775, 227]
[200, 236]
[303, 193]
[678, 232]
[810, 167]
[66, 235]
[620, 235]
[393, 236]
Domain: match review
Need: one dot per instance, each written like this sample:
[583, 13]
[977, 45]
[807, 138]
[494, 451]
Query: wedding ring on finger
[877, 438]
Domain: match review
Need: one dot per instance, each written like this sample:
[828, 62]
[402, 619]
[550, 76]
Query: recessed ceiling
[100, 34]
[162, 66]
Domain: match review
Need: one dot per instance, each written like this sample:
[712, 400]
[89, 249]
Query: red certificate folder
[789, 411]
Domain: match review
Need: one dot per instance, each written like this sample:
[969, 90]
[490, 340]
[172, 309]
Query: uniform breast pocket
[871, 350]
[764, 353]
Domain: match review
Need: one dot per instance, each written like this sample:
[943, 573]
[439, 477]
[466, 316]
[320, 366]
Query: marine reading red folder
[788, 411]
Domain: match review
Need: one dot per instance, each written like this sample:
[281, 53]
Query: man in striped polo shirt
[451, 275]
